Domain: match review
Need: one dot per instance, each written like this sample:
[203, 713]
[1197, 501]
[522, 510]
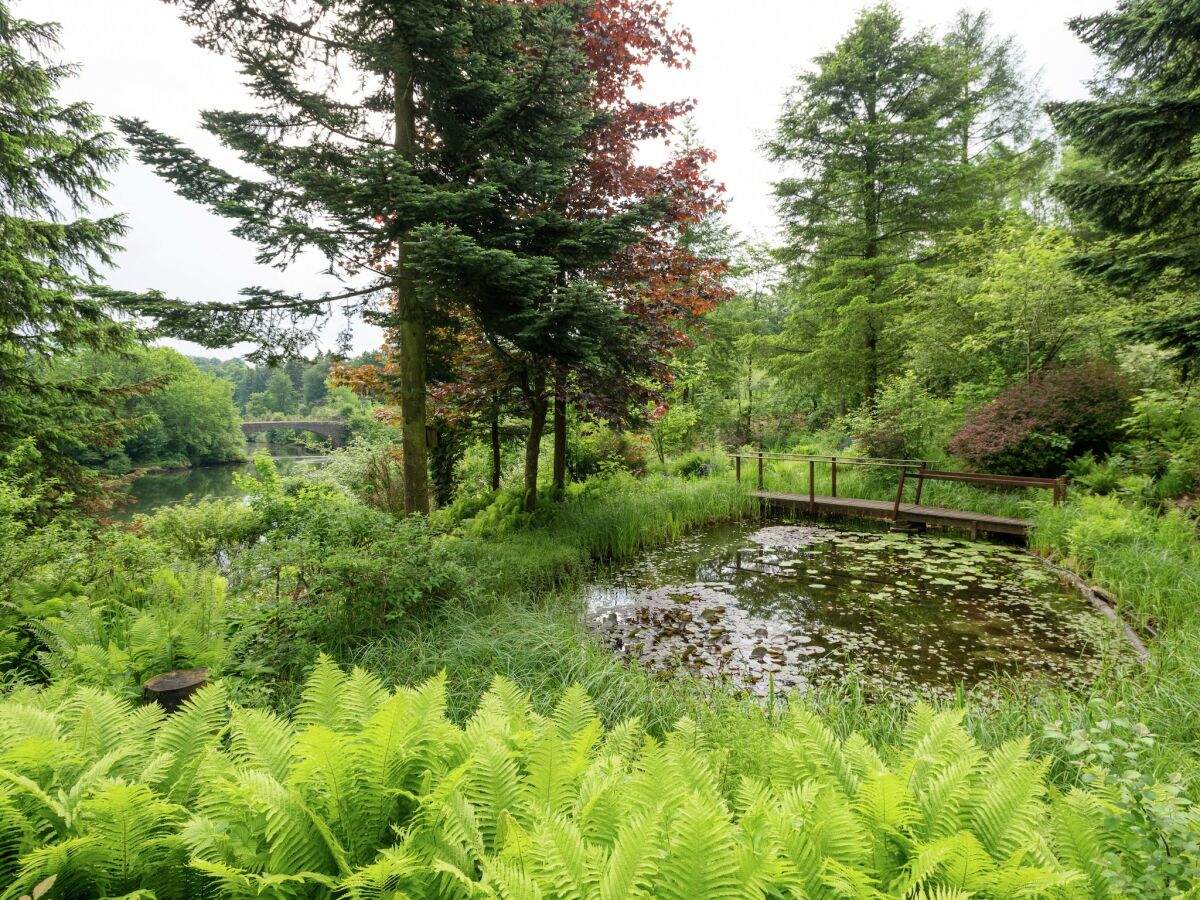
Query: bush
[905, 421]
[696, 465]
[366, 793]
[599, 449]
[1035, 428]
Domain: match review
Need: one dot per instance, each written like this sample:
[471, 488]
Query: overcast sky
[138, 60]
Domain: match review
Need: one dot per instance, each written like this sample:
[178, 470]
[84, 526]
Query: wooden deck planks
[909, 512]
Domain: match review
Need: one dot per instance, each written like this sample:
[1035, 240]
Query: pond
[784, 607]
[151, 492]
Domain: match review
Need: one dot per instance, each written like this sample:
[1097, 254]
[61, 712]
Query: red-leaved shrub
[1035, 428]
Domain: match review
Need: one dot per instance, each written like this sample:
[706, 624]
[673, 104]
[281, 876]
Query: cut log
[171, 689]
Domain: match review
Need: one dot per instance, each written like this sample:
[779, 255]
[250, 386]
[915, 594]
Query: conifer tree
[401, 139]
[1139, 139]
[995, 117]
[871, 133]
[53, 162]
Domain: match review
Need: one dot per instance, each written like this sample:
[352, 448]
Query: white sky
[138, 60]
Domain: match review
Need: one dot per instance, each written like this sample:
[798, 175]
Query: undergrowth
[366, 793]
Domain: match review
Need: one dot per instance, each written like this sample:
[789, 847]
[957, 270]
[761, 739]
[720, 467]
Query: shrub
[695, 465]
[1035, 428]
[366, 793]
[905, 421]
[600, 449]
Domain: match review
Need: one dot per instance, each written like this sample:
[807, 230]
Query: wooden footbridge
[822, 474]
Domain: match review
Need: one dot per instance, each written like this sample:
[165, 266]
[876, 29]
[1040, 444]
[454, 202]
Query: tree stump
[171, 689]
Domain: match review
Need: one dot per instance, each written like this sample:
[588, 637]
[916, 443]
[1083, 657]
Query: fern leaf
[186, 736]
[701, 854]
[630, 869]
[321, 700]
[259, 739]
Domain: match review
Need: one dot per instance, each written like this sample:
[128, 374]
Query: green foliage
[1137, 134]
[366, 791]
[53, 167]
[189, 421]
[1155, 825]
[905, 422]
[121, 639]
[330, 573]
[597, 449]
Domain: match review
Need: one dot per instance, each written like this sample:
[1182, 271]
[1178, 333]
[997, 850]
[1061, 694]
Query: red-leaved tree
[662, 285]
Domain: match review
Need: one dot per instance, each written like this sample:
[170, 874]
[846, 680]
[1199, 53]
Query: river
[151, 492]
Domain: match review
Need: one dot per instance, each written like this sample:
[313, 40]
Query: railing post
[920, 484]
[737, 467]
[833, 477]
[1060, 490]
[899, 495]
[812, 486]
[760, 470]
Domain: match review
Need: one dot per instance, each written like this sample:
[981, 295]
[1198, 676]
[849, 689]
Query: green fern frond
[560, 860]
[573, 712]
[884, 804]
[629, 870]
[809, 749]
[258, 739]
[187, 736]
[510, 880]
[1007, 804]
[395, 875]
[493, 785]
[97, 721]
[321, 700]
[361, 698]
[700, 854]
[1077, 819]
[551, 772]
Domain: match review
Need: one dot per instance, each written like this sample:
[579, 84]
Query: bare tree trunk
[538, 407]
[495, 445]
[560, 431]
[411, 320]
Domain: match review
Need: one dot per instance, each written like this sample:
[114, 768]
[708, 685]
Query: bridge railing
[906, 468]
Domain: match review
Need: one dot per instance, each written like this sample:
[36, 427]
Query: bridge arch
[334, 429]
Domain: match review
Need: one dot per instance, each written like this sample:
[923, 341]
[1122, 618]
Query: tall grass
[612, 519]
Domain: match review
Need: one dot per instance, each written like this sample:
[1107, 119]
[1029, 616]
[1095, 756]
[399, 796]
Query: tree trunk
[871, 375]
[538, 407]
[560, 432]
[411, 320]
[495, 446]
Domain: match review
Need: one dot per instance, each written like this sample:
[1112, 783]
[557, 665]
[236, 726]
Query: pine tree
[872, 132]
[399, 138]
[1139, 139]
[1001, 151]
[52, 167]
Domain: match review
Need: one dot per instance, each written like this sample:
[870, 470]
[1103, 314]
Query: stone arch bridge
[334, 429]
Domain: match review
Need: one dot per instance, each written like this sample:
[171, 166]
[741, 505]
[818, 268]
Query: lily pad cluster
[786, 607]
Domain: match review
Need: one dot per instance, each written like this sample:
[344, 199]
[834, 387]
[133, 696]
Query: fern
[370, 794]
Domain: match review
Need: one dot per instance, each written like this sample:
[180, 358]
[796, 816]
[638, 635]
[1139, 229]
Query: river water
[151, 492]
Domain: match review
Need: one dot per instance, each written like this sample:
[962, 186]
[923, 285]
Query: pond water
[151, 492]
[783, 607]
